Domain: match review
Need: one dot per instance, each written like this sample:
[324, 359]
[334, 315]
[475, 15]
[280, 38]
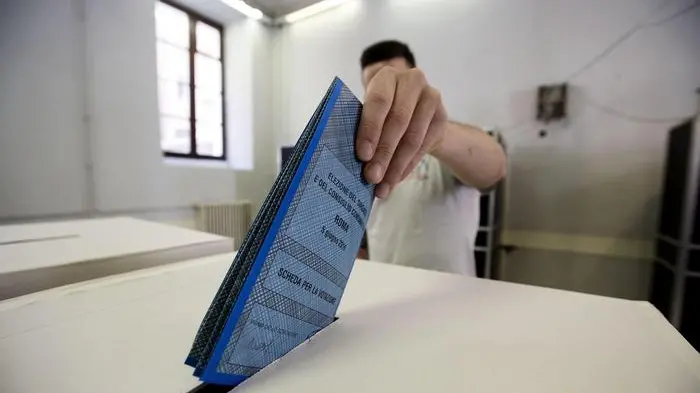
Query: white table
[400, 330]
[39, 256]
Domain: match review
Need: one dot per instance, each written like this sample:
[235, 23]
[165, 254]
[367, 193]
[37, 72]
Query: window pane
[207, 72]
[208, 106]
[173, 63]
[210, 139]
[174, 135]
[174, 98]
[208, 40]
[172, 25]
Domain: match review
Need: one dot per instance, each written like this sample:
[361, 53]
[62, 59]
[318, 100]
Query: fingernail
[373, 173]
[364, 151]
[382, 191]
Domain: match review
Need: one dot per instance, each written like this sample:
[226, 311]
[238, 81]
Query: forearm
[472, 155]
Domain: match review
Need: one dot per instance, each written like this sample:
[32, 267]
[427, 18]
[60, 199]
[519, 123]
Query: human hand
[403, 120]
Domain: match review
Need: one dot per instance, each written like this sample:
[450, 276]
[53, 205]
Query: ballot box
[40, 256]
[399, 330]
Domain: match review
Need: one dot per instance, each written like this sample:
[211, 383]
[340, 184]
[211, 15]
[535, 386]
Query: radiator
[225, 219]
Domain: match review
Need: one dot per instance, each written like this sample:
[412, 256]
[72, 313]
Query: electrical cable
[611, 48]
[634, 118]
[626, 36]
[608, 50]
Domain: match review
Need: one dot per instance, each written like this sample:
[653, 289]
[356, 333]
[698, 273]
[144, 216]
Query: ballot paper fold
[289, 275]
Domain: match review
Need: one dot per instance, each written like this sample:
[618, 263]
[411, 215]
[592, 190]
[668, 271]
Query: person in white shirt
[428, 170]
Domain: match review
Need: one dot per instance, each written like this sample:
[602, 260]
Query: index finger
[378, 100]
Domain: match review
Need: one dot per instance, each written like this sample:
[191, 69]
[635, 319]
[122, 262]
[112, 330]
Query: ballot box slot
[38, 239]
[211, 388]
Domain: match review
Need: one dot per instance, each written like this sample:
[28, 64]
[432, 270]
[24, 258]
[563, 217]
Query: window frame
[193, 18]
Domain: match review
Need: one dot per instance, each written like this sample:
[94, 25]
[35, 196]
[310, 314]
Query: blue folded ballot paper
[289, 275]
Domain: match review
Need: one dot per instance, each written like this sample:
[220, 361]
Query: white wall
[599, 173]
[79, 118]
[41, 109]
[263, 145]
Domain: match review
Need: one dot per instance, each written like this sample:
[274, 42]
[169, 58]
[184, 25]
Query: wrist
[442, 148]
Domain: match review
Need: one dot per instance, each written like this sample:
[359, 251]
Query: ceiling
[212, 9]
[276, 8]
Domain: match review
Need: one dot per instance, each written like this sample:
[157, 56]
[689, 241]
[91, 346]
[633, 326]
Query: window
[190, 84]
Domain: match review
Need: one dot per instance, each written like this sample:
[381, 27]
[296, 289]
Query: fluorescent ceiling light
[245, 9]
[313, 9]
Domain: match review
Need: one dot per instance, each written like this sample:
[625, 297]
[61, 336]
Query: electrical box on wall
[551, 102]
